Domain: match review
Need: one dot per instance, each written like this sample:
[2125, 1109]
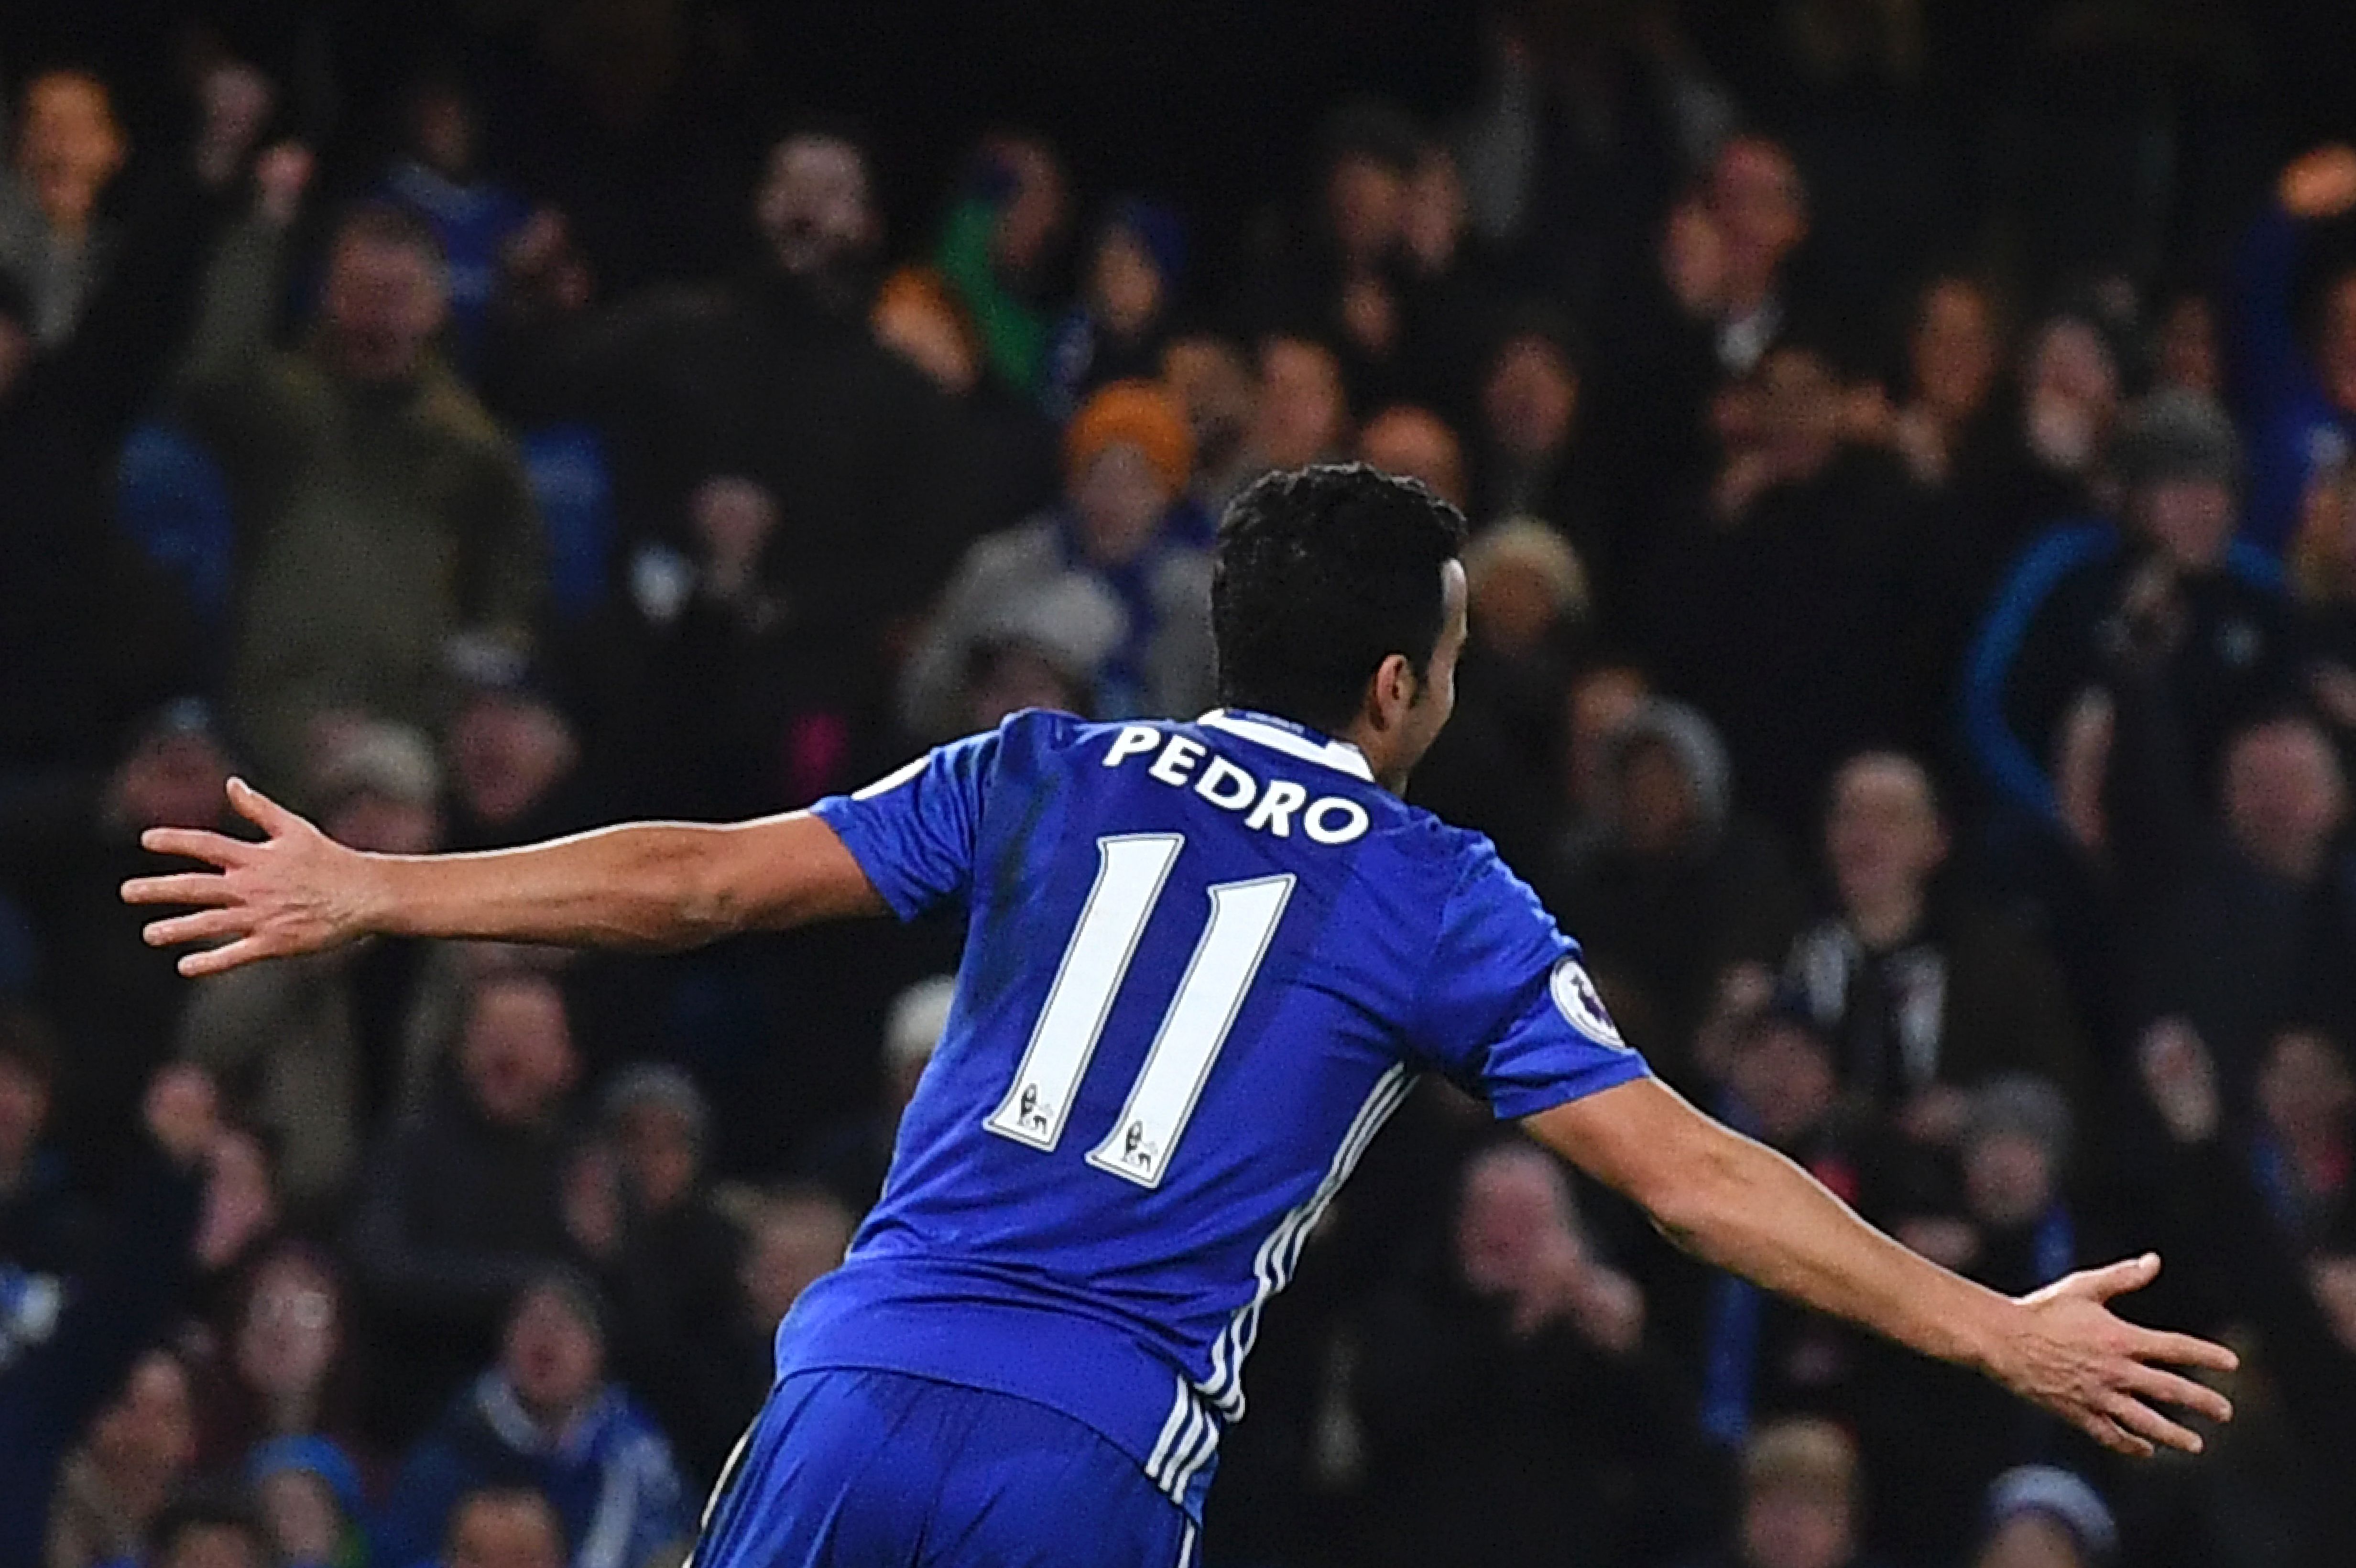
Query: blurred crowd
[1911, 452]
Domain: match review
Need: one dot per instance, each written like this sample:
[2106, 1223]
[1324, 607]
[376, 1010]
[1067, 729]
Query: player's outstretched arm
[649, 885]
[1740, 1205]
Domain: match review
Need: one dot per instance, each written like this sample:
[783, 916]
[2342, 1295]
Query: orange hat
[1141, 414]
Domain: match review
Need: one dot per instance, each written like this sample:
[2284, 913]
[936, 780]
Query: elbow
[1689, 1198]
[705, 902]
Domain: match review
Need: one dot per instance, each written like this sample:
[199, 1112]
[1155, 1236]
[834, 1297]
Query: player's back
[1203, 964]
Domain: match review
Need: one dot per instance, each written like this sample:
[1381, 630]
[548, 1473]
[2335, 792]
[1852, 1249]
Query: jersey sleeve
[1508, 1009]
[913, 831]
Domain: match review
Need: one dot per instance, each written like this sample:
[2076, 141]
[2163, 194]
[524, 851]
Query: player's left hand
[2066, 1350]
[296, 891]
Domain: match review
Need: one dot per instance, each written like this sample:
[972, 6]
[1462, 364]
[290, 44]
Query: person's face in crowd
[1365, 209]
[2031, 1540]
[555, 1360]
[1513, 1208]
[173, 780]
[1033, 214]
[383, 303]
[1214, 383]
[732, 519]
[2305, 1089]
[24, 1112]
[1416, 443]
[817, 209]
[1435, 212]
[384, 824]
[1784, 1074]
[2070, 394]
[2188, 347]
[927, 333]
[289, 1333]
[241, 1199]
[659, 1158]
[1530, 399]
[215, 1546]
[508, 750]
[516, 1051]
[1800, 412]
[1014, 676]
[1125, 285]
[2008, 1179]
[2335, 355]
[2189, 520]
[1759, 208]
[300, 1512]
[505, 1532]
[1796, 1526]
[1883, 836]
[149, 1432]
[1659, 807]
[793, 1241]
[1304, 415]
[2332, 1278]
[2284, 797]
[1120, 497]
[1693, 259]
[1953, 350]
[1599, 702]
[69, 147]
[442, 132]
[1514, 609]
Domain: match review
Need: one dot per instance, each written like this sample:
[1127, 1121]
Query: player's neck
[1384, 759]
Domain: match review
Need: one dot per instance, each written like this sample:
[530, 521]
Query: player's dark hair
[1322, 573]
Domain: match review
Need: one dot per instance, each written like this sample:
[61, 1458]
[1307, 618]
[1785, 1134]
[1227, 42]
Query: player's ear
[1392, 691]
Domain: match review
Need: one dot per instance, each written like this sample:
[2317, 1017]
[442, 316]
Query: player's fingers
[205, 925]
[180, 888]
[216, 960]
[197, 844]
[2143, 1421]
[2182, 1350]
[2117, 1279]
[2152, 1382]
[260, 809]
[2111, 1434]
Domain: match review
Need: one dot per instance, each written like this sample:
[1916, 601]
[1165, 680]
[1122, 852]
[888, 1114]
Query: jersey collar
[1292, 739]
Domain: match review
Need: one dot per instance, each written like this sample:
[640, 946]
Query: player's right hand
[296, 891]
[2069, 1353]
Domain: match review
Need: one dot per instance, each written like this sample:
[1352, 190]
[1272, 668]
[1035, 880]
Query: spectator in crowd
[437, 175]
[999, 244]
[2295, 372]
[792, 1236]
[1416, 443]
[1529, 462]
[1105, 561]
[323, 1053]
[517, 768]
[141, 1448]
[504, 1527]
[2303, 1146]
[1465, 1384]
[242, 1216]
[1951, 418]
[1672, 889]
[381, 510]
[1452, 288]
[68, 148]
[1797, 604]
[462, 1203]
[65, 1363]
[207, 1529]
[1925, 994]
[42, 1223]
[852, 1162]
[546, 1416]
[1302, 408]
[2168, 581]
[308, 1494]
[667, 1259]
[1758, 204]
[65, 846]
[1134, 269]
[289, 1362]
[1006, 442]
[1800, 1502]
[1213, 380]
[1596, 701]
[2187, 347]
[2041, 1517]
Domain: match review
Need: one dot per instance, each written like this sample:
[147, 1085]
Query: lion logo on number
[1576, 998]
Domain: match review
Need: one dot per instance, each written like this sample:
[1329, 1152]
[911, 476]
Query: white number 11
[1130, 872]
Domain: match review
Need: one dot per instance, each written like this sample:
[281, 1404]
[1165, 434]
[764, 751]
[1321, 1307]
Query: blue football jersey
[1203, 963]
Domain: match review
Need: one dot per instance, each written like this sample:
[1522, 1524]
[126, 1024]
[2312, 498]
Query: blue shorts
[875, 1469]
